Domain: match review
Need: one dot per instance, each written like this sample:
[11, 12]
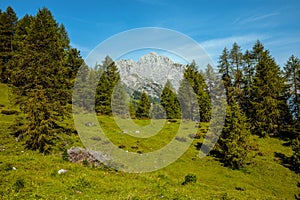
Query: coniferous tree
[292, 78]
[236, 61]
[292, 75]
[247, 81]
[187, 99]
[226, 72]
[233, 144]
[196, 81]
[170, 102]
[8, 23]
[119, 101]
[108, 80]
[266, 94]
[143, 107]
[157, 111]
[39, 80]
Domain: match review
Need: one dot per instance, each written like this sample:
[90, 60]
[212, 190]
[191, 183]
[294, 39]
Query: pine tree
[266, 95]
[170, 102]
[8, 23]
[233, 144]
[39, 80]
[143, 108]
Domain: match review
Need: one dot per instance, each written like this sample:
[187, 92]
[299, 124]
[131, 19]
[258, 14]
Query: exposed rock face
[150, 73]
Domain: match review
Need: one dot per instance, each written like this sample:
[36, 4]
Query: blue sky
[213, 24]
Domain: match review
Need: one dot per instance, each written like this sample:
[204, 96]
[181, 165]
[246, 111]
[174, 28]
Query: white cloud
[83, 50]
[214, 47]
[255, 18]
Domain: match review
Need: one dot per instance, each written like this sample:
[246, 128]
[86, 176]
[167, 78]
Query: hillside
[27, 174]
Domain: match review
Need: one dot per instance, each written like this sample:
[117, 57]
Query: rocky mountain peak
[150, 73]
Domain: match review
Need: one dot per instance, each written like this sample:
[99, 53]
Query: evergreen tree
[226, 72]
[196, 81]
[292, 79]
[39, 80]
[233, 145]
[108, 80]
[170, 102]
[266, 95]
[188, 100]
[236, 61]
[157, 111]
[247, 81]
[8, 23]
[143, 107]
[119, 101]
[292, 75]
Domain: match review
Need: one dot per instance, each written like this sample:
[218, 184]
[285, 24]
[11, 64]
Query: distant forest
[40, 66]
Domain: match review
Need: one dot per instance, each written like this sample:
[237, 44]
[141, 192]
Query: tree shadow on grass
[284, 160]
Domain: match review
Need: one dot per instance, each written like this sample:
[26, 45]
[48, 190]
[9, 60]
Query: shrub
[190, 178]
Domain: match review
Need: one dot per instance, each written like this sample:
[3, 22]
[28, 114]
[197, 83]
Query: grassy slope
[266, 178]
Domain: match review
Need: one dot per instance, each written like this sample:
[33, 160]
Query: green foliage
[196, 81]
[233, 145]
[266, 96]
[170, 102]
[109, 77]
[292, 76]
[119, 101]
[295, 159]
[157, 111]
[8, 23]
[143, 107]
[190, 178]
[40, 78]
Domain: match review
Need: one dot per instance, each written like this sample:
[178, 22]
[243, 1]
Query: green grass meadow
[26, 174]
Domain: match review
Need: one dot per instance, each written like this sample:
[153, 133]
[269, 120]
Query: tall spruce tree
[188, 100]
[292, 78]
[233, 144]
[292, 75]
[8, 24]
[196, 81]
[108, 80]
[170, 102]
[266, 94]
[143, 107]
[226, 72]
[39, 79]
[236, 61]
[119, 101]
[247, 81]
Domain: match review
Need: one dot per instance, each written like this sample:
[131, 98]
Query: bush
[190, 178]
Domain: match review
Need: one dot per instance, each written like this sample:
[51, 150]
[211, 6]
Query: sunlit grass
[265, 178]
